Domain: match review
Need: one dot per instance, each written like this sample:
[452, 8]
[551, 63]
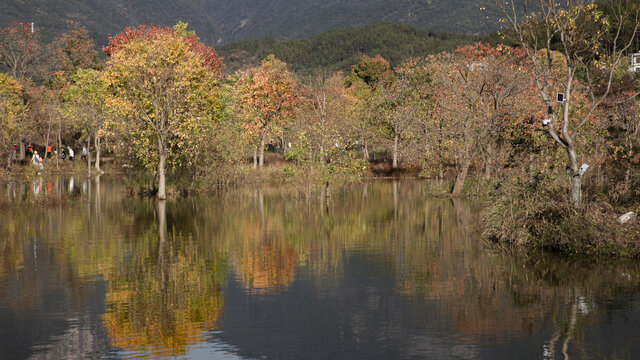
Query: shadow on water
[378, 270]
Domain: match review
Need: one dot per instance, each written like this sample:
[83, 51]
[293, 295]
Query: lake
[379, 270]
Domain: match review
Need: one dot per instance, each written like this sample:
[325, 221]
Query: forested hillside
[104, 17]
[340, 49]
[225, 21]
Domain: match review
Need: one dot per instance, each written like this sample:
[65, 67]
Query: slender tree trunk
[255, 158]
[88, 155]
[22, 155]
[46, 145]
[365, 151]
[284, 146]
[97, 143]
[262, 141]
[395, 151]
[162, 191]
[59, 147]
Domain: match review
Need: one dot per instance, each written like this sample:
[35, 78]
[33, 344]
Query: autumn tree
[326, 136]
[43, 122]
[424, 132]
[12, 111]
[22, 52]
[266, 99]
[85, 105]
[75, 50]
[479, 89]
[367, 83]
[592, 47]
[167, 80]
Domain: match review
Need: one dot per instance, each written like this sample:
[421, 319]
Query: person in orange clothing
[48, 154]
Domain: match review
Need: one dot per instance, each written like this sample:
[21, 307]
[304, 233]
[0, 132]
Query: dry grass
[528, 215]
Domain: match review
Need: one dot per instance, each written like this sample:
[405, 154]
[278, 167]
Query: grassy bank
[536, 215]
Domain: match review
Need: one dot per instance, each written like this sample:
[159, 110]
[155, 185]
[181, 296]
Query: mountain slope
[340, 49]
[224, 21]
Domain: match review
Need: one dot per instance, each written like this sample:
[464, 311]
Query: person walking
[71, 154]
[84, 153]
[36, 160]
[48, 154]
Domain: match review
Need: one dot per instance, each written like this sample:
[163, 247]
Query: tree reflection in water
[165, 265]
[163, 295]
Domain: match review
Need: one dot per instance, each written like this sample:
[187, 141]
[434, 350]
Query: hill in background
[225, 21]
[340, 49]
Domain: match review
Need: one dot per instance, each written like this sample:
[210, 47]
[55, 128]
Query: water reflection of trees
[165, 290]
[165, 265]
[431, 246]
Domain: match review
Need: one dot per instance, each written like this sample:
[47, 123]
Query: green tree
[86, 107]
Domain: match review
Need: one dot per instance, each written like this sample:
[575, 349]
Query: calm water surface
[379, 271]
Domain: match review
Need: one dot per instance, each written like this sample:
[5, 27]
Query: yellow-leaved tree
[11, 114]
[168, 81]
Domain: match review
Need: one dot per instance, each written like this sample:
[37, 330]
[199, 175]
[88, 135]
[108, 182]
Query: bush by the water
[536, 213]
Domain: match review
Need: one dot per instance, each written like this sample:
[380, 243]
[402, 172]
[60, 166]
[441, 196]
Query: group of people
[37, 160]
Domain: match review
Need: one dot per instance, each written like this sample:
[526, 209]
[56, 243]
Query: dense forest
[475, 118]
[340, 49]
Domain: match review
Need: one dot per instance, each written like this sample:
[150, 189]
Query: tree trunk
[365, 151]
[576, 178]
[284, 146]
[22, 155]
[46, 146]
[97, 143]
[162, 191]
[262, 140]
[487, 168]
[395, 152]
[88, 155]
[462, 176]
[488, 163]
[59, 147]
[255, 158]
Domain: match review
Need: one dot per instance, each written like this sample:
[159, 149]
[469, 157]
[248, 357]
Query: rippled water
[378, 271]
